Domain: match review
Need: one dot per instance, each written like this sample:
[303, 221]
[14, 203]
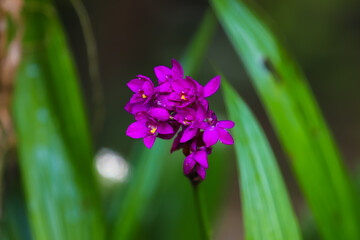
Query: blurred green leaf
[267, 210]
[196, 51]
[150, 163]
[297, 121]
[54, 144]
[144, 182]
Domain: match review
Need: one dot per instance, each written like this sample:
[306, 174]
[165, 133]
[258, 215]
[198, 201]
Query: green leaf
[55, 153]
[267, 210]
[199, 44]
[297, 121]
[150, 163]
[144, 182]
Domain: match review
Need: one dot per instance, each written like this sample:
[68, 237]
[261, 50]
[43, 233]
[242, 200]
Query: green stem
[200, 211]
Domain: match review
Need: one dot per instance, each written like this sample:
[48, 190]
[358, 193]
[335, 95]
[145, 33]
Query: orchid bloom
[178, 105]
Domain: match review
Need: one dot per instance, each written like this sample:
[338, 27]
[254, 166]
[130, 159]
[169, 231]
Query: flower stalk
[201, 213]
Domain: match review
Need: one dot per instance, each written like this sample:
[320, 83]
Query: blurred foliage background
[131, 38]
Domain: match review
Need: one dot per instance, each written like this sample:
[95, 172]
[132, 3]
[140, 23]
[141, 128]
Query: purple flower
[142, 87]
[164, 102]
[212, 86]
[165, 74]
[216, 132]
[160, 114]
[178, 106]
[147, 129]
[191, 118]
[184, 91]
[198, 159]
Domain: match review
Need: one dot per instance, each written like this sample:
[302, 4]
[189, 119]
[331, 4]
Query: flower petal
[159, 113]
[162, 73]
[144, 77]
[176, 144]
[201, 113]
[140, 108]
[149, 141]
[210, 136]
[136, 98]
[136, 84]
[137, 130]
[201, 158]
[177, 71]
[189, 164]
[189, 83]
[212, 86]
[225, 124]
[171, 135]
[164, 128]
[165, 87]
[128, 107]
[177, 86]
[148, 88]
[189, 133]
[201, 171]
[174, 97]
[225, 137]
[203, 125]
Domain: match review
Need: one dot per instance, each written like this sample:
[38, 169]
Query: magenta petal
[205, 104]
[189, 133]
[139, 107]
[177, 86]
[162, 73]
[201, 113]
[201, 158]
[128, 107]
[212, 86]
[148, 88]
[225, 124]
[210, 136]
[225, 137]
[189, 163]
[193, 145]
[201, 171]
[203, 125]
[136, 99]
[177, 70]
[136, 84]
[165, 87]
[188, 82]
[174, 97]
[149, 141]
[159, 113]
[137, 130]
[187, 103]
[164, 128]
[176, 144]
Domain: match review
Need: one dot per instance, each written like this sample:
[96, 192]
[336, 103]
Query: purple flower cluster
[177, 106]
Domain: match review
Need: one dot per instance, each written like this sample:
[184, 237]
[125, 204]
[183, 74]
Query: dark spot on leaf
[269, 66]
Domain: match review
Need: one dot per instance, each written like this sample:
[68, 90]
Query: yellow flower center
[183, 97]
[144, 96]
[153, 130]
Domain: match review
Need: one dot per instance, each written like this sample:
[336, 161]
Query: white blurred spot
[111, 165]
